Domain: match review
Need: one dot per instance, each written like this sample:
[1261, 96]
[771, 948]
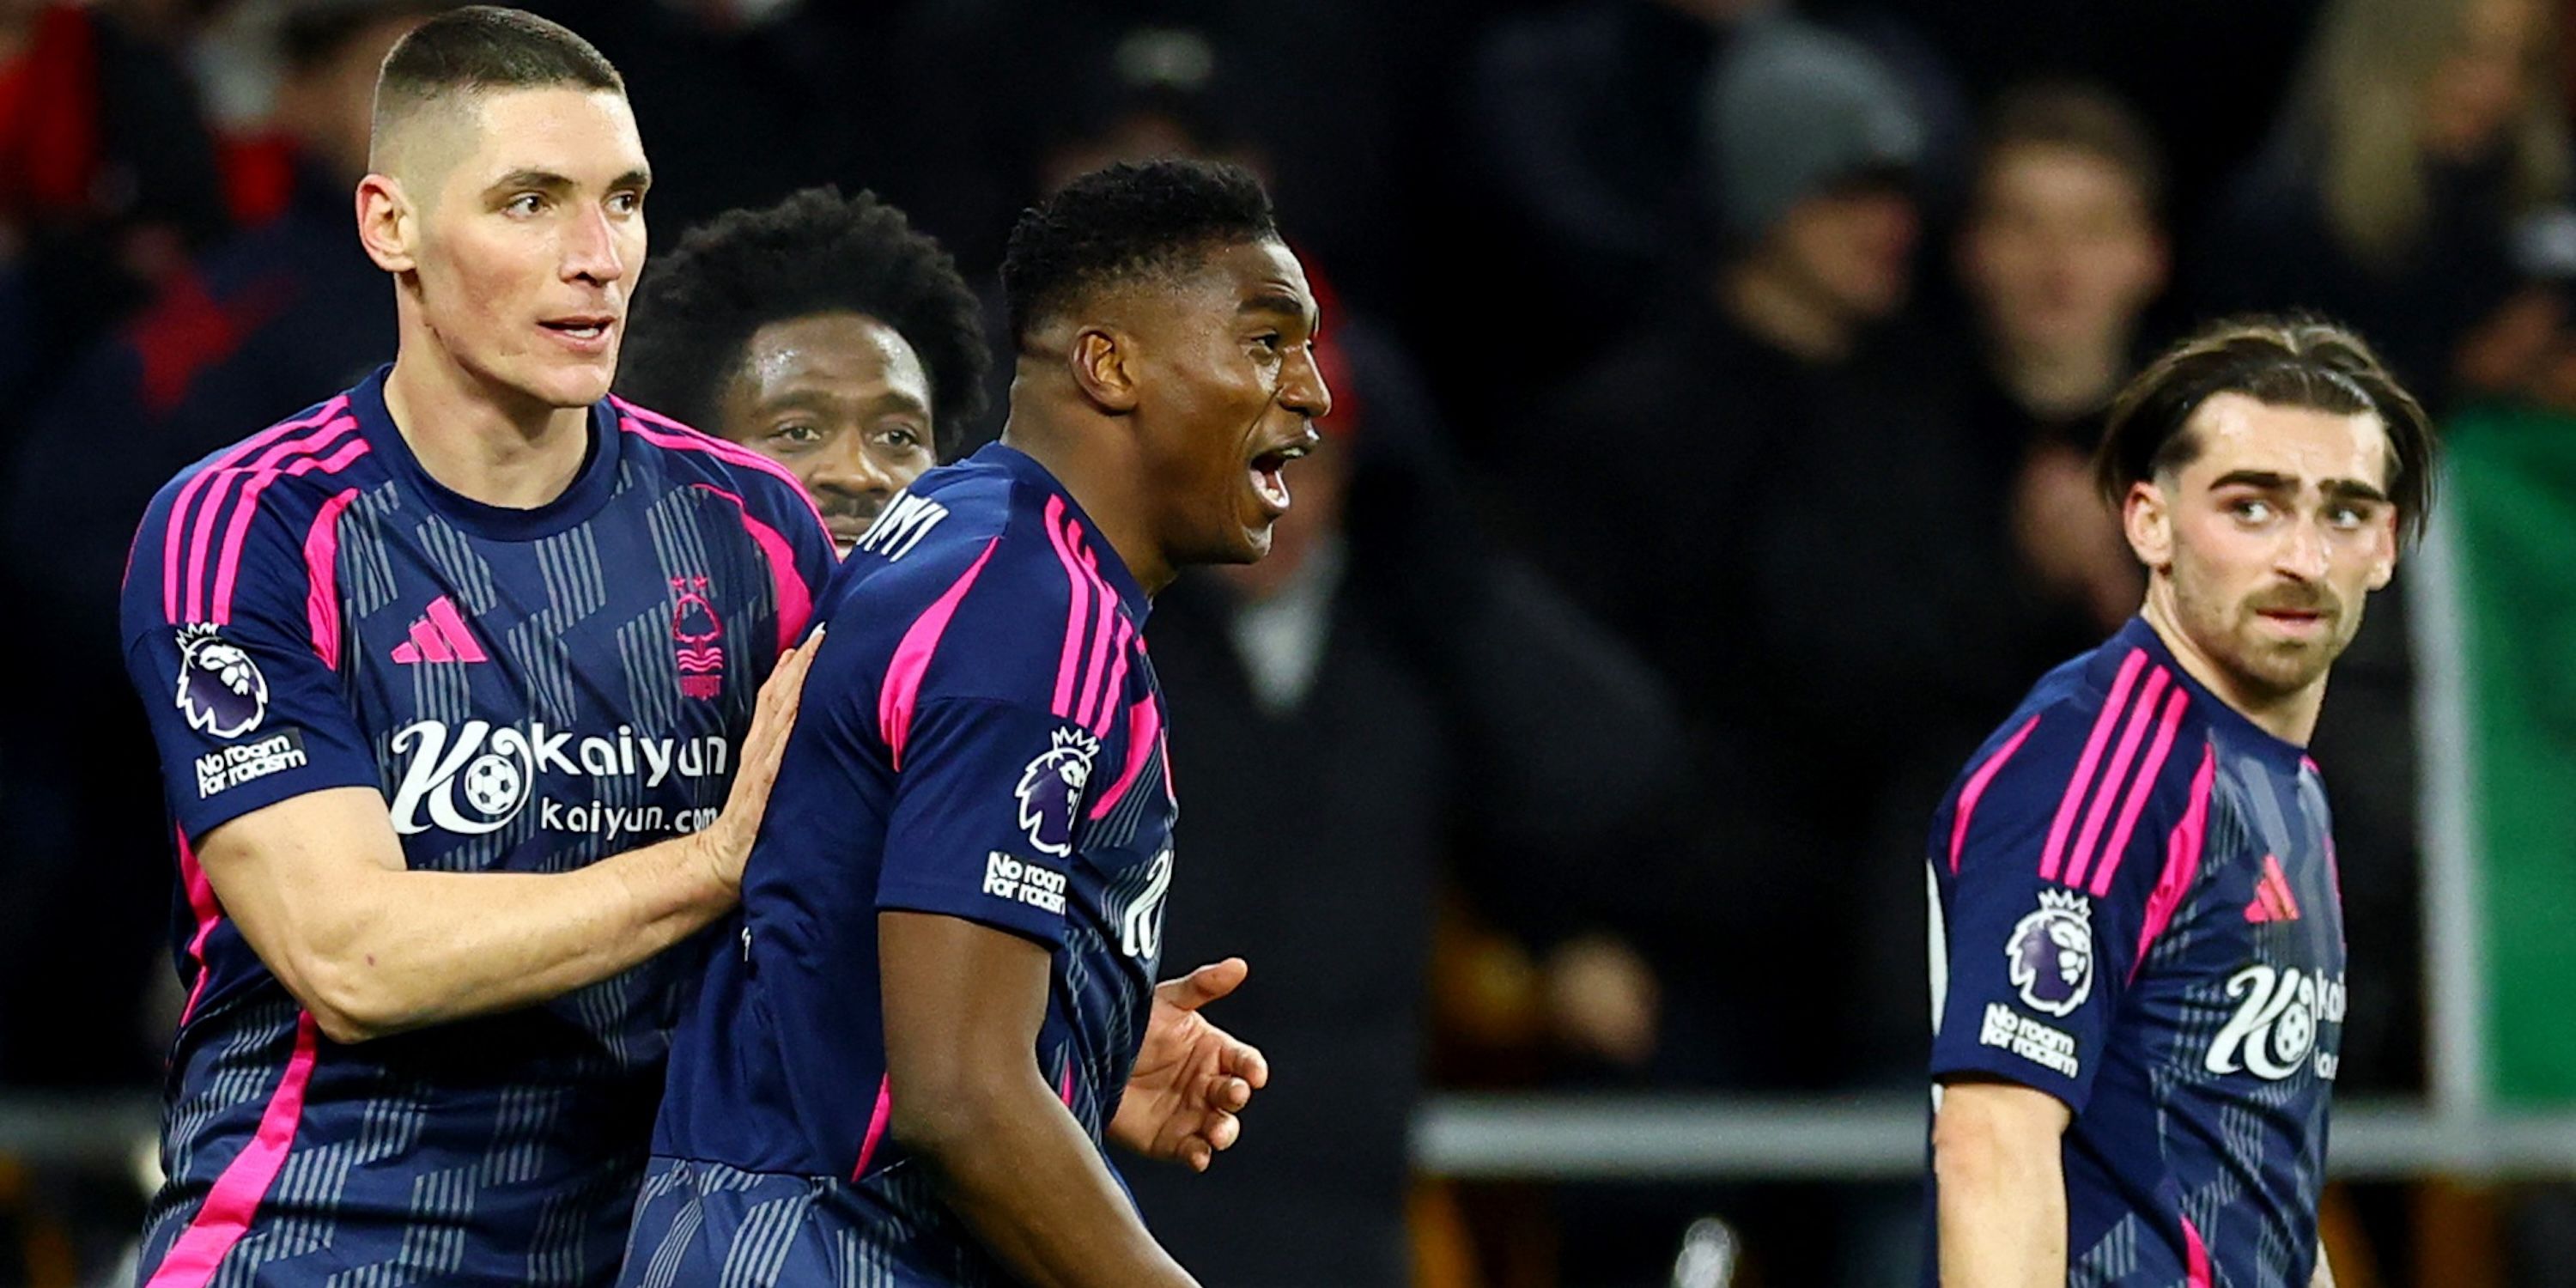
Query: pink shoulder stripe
[226, 1213]
[2106, 794]
[1092, 709]
[2140, 788]
[877, 1120]
[322, 578]
[902, 692]
[1115, 688]
[1976, 789]
[795, 599]
[1062, 534]
[1144, 737]
[230, 564]
[2182, 859]
[680, 438]
[177, 522]
[2083, 777]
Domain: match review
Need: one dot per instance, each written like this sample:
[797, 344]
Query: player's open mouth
[584, 334]
[1269, 472]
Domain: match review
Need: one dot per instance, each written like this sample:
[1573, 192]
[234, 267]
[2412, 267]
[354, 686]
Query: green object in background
[2511, 497]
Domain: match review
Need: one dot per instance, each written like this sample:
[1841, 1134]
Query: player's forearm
[416, 948]
[2002, 1204]
[1017, 1168]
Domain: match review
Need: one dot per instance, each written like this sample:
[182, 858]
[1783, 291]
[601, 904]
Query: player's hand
[727, 842]
[1191, 1077]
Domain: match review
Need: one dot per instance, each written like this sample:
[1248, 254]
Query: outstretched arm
[963, 1005]
[1996, 1155]
[318, 886]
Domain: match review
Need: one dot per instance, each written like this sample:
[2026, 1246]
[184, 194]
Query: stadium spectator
[107, 181]
[238, 336]
[2061, 254]
[2421, 138]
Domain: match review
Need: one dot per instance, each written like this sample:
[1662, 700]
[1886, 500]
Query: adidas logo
[2272, 898]
[440, 636]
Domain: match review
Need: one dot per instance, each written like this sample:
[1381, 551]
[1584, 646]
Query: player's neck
[479, 442]
[2290, 717]
[1104, 486]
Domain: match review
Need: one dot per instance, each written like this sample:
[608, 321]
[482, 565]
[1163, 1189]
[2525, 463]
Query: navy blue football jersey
[530, 691]
[2135, 909]
[982, 737]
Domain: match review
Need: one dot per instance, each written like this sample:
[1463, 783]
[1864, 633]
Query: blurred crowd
[1714, 381]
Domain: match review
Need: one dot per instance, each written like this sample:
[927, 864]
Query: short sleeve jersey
[2135, 909]
[529, 691]
[982, 737]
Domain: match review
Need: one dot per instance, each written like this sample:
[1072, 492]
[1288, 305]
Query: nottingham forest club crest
[220, 688]
[2051, 953]
[1050, 790]
[697, 638]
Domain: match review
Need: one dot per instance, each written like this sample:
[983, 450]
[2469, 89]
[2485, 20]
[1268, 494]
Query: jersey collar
[2239, 728]
[590, 488]
[1024, 467]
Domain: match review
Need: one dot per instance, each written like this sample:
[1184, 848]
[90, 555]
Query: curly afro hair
[1130, 221]
[815, 252]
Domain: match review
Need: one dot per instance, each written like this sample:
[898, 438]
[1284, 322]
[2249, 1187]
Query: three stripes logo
[2272, 898]
[440, 635]
[697, 639]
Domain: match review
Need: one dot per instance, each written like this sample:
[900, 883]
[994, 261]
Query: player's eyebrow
[1278, 300]
[527, 179]
[2352, 490]
[2268, 481]
[818, 400]
[2264, 480]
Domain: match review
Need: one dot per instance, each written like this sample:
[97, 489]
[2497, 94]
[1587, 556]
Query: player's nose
[848, 466]
[1302, 389]
[590, 249]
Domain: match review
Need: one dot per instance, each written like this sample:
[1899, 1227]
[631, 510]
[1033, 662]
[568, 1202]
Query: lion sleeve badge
[2050, 954]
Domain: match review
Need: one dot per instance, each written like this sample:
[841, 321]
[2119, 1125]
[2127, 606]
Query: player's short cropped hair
[1130, 221]
[815, 252]
[2294, 360]
[2079, 118]
[485, 47]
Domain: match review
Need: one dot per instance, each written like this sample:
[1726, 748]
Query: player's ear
[388, 225]
[2147, 520]
[1103, 362]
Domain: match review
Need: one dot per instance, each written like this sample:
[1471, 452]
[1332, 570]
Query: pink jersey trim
[209, 914]
[1062, 533]
[1092, 712]
[225, 1215]
[1116, 687]
[877, 1120]
[2140, 788]
[322, 578]
[682, 438]
[2107, 792]
[896, 701]
[795, 598]
[2182, 860]
[1064, 1082]
[2102, 724]
[309, 459]
[1144, 734]
[1976, 789]
[2195, 1257]
[171, 569]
